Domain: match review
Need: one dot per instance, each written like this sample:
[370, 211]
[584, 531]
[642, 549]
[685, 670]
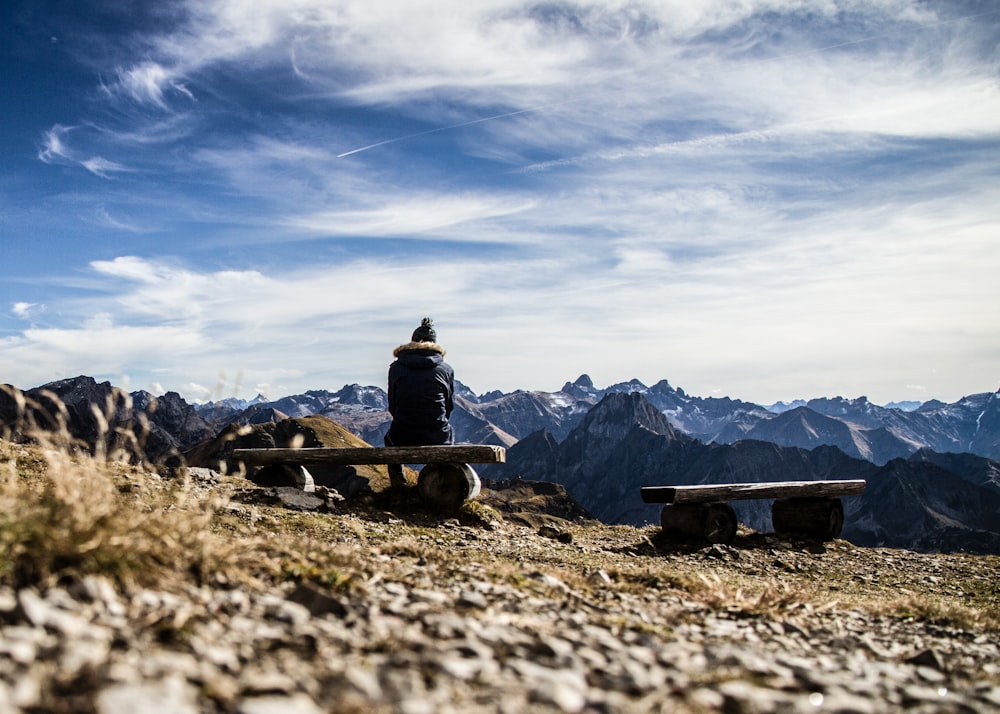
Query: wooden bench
[811, 508]
[446, 481]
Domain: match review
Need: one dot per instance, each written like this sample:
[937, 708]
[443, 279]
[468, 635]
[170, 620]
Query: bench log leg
[447, 486]
[817, 517]
[714, 522]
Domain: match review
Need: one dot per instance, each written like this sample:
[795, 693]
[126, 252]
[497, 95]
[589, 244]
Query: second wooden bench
[811, 508]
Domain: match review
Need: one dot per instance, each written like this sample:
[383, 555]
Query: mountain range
[856, 426]
[935, 463]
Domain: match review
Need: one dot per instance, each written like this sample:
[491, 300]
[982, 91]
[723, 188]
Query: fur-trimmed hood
[432, 346]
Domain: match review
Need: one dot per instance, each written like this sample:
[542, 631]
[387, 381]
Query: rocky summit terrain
[122, 591]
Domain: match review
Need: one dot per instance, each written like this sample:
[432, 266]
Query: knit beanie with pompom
[425, 333]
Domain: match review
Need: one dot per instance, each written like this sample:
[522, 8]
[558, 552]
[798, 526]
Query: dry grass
[62, 514]
[69, 515]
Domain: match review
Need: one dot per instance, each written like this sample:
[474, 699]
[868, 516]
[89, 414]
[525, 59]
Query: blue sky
[766, 199]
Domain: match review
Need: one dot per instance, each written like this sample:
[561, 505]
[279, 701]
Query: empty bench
[811, 508]
[446, 480]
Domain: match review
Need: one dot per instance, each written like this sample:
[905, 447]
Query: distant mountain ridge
[856, 426]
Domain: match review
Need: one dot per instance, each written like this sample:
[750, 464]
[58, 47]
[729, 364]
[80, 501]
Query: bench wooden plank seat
[810, 508]
[371, 455]
[746, 491]
[446, 481]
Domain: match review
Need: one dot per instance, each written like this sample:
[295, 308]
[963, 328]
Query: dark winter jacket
[421, 392]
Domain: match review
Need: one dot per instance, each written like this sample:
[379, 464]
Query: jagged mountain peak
[582, 388]
[662, 386]
[584, 382]
[364, 396]
[633, 385]
[781, 407]
[80, 389]
[803, 413]
[464, 391]
[620, 411]
[607, 424]
[931, 405]
[832, 406]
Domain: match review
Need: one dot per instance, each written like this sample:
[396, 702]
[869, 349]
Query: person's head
[425, 333]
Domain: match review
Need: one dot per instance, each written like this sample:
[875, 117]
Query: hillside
[121, 590]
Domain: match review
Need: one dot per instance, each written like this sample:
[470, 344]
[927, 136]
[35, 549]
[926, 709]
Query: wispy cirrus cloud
[53, 147]
[148, 83]
[56, 150]
[99, 166]
[415, 216]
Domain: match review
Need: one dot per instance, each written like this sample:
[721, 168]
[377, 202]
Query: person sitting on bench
[421, 396]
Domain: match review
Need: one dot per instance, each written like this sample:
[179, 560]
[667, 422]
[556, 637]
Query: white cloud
[53, 148]
[101, 167]
[132, 268]
[379, 51]
[147, 82]
[413, 216]
[707, 195]
[25, 309]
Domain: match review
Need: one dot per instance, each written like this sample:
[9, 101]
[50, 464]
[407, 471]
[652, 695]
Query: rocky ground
[395, 609]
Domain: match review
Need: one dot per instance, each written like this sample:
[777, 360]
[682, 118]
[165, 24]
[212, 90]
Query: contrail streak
[452, 126]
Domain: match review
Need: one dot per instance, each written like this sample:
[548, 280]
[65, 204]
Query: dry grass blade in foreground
[63, 514]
